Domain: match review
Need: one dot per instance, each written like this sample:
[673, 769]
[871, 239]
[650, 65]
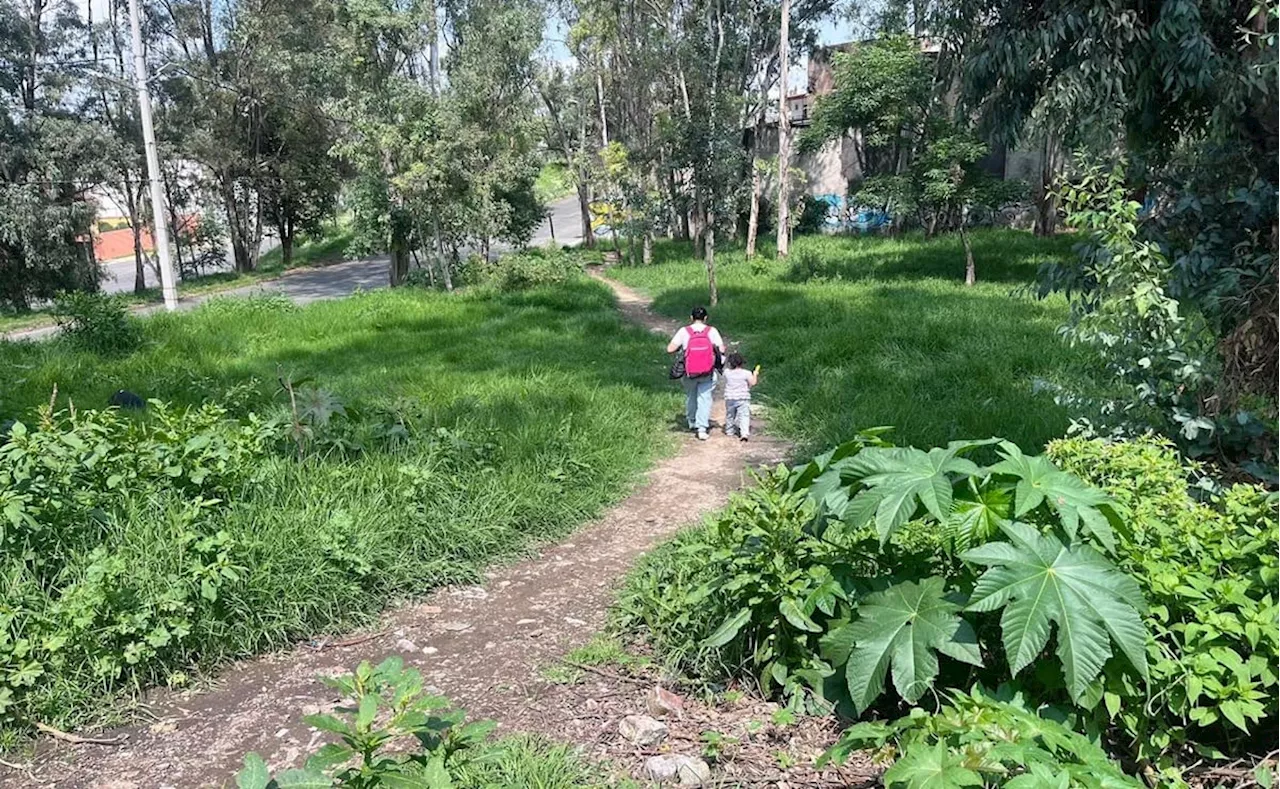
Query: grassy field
[858, 332]
[519, 416]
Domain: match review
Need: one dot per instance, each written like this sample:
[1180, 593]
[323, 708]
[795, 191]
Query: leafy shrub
[818, 572]
[386, 707]
[387, 703]
[59, 477]
[1157, 299]
[97, 323]
[76, 613]
[1209, 572]
[531, 269]
[693, 604]
[516, 271]
[874, 562]
[984, 739]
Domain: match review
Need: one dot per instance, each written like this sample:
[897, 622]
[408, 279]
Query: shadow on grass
[1003, 256]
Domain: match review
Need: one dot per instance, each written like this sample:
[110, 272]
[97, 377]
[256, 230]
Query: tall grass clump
[296, 470]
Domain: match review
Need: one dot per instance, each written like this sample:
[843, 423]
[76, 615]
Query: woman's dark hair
[699, 313]
[735, 360]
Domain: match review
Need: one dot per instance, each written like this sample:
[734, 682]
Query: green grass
[18, 321]
[564, 401]
[535, 763]
[554, 181]
[330, 247]
[601, 650]
[857, 332]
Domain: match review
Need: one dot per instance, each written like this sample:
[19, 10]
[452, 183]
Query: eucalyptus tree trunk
[970, 275]
[753, 219]
[784, 135]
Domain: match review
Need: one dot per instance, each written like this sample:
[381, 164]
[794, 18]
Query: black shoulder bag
[677, 366]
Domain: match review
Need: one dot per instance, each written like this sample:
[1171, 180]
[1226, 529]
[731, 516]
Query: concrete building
[832, 171]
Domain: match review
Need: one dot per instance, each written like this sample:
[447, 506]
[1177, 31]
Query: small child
[738, 381]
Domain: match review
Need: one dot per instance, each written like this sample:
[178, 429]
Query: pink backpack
[699, 353]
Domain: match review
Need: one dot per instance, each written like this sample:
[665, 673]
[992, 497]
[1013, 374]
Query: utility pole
[784, 134]
[160, 230]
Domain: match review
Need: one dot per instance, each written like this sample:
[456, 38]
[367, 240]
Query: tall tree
[784, 132]
[116, 109]
[565, 130]
[52, 155]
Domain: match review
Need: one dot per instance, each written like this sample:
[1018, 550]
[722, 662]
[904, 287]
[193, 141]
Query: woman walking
[702, 348]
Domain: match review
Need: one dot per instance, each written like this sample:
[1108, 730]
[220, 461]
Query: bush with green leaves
[531, 269]
[77, 613]
[820, 575]
[1156, 306]
[97, 322]
[386, 703]
[62, 476]
[1207, 565]
[386, 707]
[512, 272]
[988, 739]
[1132, 603]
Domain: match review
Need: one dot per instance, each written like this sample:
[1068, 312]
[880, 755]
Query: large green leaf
[924, 767]
[254, 775]
[303, 779]
[902, 627]
[1075, 501]
[1040, 583]
[728, 629]
[790, 609]
[804, 476]
[976, 514]
[900, 480]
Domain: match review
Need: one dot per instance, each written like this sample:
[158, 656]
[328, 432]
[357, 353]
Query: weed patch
[426, 436]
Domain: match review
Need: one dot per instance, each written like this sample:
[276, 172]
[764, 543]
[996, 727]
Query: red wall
[112, 244]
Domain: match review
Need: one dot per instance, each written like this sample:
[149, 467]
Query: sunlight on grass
[330, 247]
[858, 332]
[530, 413]
[554, 182]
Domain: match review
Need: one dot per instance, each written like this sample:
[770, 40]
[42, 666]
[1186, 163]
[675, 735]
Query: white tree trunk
[784, 135]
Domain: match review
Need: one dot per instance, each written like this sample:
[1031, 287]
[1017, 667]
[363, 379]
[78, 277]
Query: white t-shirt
[681, 338]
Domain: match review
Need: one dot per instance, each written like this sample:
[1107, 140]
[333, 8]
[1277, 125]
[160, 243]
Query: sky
[832, 31]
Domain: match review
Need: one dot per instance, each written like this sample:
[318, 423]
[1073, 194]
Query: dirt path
[484, 647]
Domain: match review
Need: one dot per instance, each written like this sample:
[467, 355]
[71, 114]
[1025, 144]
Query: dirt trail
[484, 647]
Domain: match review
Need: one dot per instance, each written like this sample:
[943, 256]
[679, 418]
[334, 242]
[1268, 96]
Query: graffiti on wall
[845, 216]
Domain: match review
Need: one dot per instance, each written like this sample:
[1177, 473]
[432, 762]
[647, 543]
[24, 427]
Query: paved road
[118, 275]
[306, 285]
[566, 220]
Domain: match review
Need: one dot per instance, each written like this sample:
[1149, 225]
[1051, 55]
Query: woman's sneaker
[702, 435]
